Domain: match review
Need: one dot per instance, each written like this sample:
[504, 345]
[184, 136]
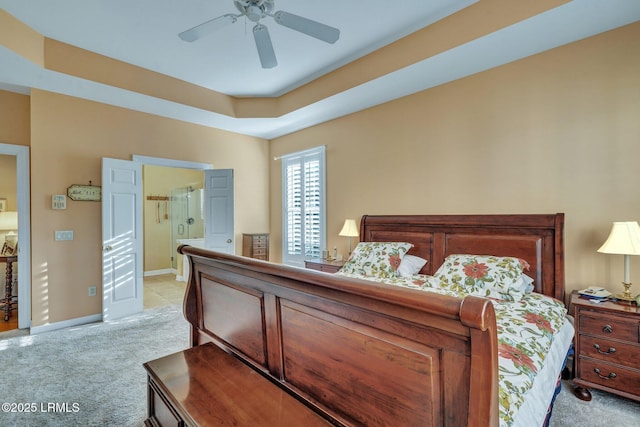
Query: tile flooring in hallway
[163, 290]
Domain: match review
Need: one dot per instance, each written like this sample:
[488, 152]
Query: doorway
[19, 203]
[165, 222]
[122, 226]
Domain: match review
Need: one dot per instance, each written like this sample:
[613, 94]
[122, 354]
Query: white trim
[159, 161]
[314, 150]
[23, 196]
[159, 272]
[48, 327]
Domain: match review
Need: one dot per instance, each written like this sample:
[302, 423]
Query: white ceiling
[144, 33]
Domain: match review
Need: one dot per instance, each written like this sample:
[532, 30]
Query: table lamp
[9, 222]
[350, 230]
[624, 239]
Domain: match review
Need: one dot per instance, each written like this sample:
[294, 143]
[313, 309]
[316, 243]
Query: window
[303, 206]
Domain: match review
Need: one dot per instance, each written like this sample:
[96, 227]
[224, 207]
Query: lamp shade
[624, 239]
[8, 220]
[349, 229]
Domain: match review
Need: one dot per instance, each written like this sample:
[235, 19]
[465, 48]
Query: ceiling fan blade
[265, 47]
[208, 27]
[307, 26]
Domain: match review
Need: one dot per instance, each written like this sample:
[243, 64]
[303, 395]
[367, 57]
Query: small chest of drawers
[607, 346]
[256, 245]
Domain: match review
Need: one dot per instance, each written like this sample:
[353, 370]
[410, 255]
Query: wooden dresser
[607, 347]
[256, 245]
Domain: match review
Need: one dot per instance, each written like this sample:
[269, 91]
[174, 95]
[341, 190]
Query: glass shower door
[187, 221]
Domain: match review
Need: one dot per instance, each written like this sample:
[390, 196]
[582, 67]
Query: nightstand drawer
[609, 327]
[611, 351]
[611, 376]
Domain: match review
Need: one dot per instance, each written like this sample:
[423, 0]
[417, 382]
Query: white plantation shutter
[303, 206]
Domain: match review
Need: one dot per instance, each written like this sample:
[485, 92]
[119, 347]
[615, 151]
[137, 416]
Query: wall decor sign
[92, 193]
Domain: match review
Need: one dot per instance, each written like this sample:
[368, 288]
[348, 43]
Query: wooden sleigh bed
[362, 353]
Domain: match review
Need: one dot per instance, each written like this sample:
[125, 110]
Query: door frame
[23, 197]
[171, 163]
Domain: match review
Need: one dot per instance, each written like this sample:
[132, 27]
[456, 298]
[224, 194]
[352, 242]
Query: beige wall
[14, 118]
[556, 132]
[69, 137]
[159, 181]
[8, 181]
[14, 129]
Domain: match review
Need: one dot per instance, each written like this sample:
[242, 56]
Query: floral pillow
[483, 275]
[379, 259]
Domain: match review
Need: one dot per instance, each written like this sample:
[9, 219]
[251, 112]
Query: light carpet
[92, 375]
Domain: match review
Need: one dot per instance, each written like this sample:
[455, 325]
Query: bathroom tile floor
[163, 290]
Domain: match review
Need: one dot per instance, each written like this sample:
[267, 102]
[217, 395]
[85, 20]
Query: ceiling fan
[255, 10]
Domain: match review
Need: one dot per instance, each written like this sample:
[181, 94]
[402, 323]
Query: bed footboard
[356, 352]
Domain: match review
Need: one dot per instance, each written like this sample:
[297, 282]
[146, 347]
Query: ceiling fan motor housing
[254, 9]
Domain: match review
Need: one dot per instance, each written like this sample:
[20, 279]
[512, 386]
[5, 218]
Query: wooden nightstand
[324, 265]
[607, 347]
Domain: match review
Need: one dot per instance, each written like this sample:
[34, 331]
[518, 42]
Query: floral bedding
[526, 329]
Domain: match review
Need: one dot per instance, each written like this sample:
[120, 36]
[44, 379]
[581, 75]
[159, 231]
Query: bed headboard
[537, 238]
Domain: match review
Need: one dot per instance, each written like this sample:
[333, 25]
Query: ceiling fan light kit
[255, 10]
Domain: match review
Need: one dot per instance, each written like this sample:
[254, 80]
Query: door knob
[229, 240]
[107, 248]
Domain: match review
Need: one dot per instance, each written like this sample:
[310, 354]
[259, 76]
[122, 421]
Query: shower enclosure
[187, 216]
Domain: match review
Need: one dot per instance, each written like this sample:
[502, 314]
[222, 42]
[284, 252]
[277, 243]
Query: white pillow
[524, 284]
[411, 265]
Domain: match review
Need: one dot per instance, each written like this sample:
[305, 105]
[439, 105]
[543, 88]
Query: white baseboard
[159, 272]
[66, 324]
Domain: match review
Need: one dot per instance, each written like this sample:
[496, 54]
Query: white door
[122, 236]
[218, 210]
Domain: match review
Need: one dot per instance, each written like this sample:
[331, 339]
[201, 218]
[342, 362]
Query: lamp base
[626, 295]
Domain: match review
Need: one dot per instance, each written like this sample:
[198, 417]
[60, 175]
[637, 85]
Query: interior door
[218, 210]
[122, 235]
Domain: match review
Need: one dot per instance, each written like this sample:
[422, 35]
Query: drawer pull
[611, 376]
[607, 329]
[610, 351]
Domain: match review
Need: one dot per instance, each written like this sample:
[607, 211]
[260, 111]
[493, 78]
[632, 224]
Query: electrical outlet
[92, 291]
[63, 235]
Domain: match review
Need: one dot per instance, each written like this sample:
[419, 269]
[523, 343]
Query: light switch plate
[59, 201]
